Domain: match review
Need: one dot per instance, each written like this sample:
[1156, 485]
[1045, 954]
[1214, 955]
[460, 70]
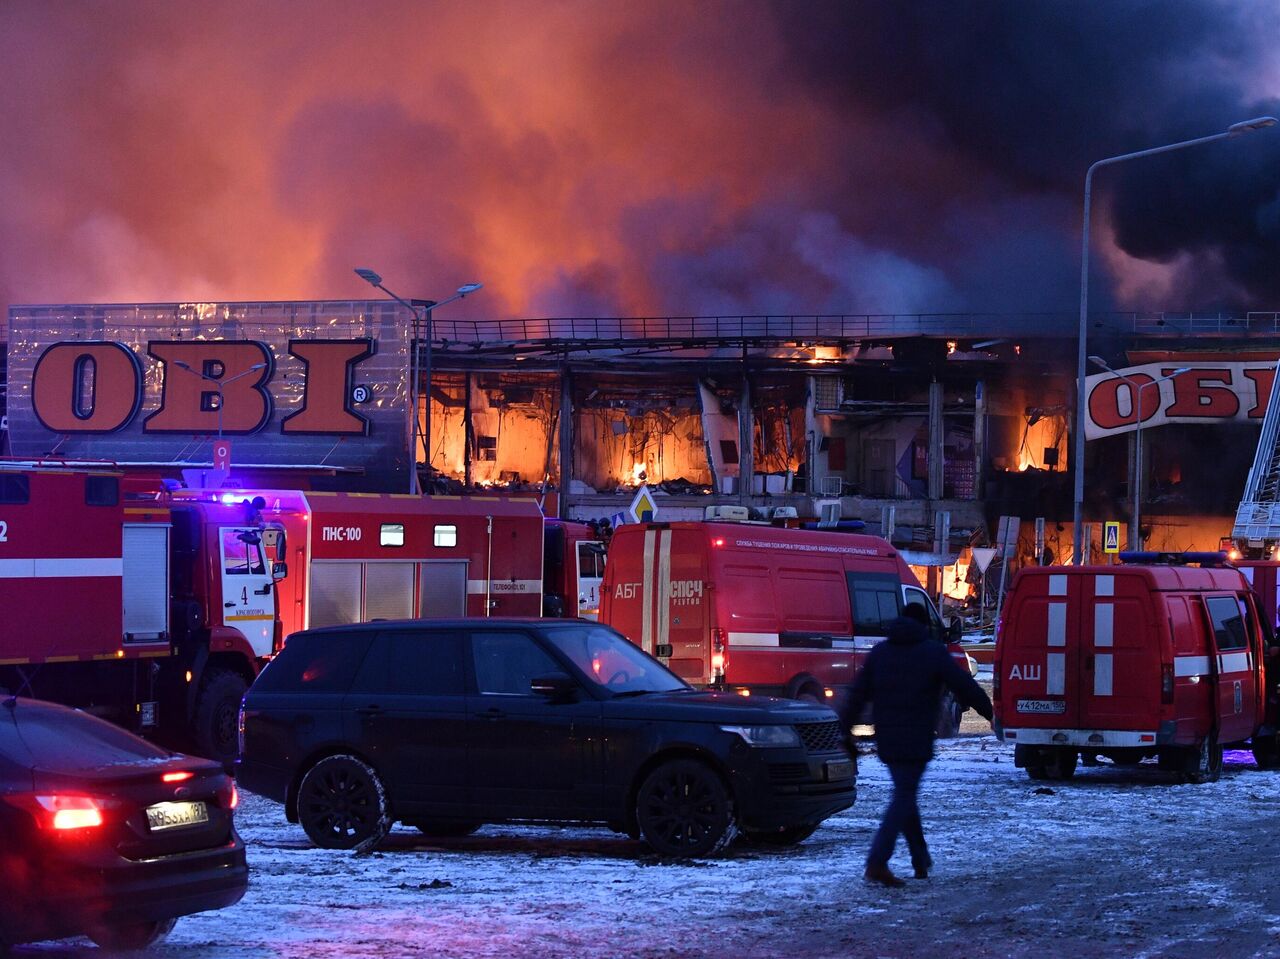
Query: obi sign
[206, 387]
[1208, 392]
[157, 383]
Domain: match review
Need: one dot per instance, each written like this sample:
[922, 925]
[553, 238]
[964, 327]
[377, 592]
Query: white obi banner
[1208, 392]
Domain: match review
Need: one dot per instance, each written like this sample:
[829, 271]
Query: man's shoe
[922, 872]
[884, 876]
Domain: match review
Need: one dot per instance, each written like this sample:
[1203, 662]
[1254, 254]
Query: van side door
[875, 600]
[1232, 666]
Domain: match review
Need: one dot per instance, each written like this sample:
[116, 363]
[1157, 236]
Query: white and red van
[756, 608]
[1127, 662]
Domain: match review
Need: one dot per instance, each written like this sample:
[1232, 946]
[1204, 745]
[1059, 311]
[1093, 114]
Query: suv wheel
[684, 810]
[342, 804]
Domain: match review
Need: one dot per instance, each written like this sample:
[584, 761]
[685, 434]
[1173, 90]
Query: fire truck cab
[123, 602]
[573, 569]
[1129, 661]
[759, 609]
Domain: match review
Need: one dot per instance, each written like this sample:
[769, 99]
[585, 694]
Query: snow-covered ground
[1118, 862]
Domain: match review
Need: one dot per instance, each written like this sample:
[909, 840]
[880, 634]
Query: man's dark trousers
[901, 816]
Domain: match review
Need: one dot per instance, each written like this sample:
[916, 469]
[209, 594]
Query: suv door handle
[492, 714]
[228, 605]
[265, 591]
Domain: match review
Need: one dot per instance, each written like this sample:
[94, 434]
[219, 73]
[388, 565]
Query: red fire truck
[757, 608]
[120, 600]
[356, 557]
[573, 569]
[1132, 661]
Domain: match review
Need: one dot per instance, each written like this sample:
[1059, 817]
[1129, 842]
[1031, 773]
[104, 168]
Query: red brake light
[176, 777]
[229, 795]
[64, 812]
[718, 541]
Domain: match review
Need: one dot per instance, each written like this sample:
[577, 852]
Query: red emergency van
[1128, 662]
[757, 608]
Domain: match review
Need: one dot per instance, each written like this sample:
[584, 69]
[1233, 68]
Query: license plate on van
[1042, 706]
[175, 815]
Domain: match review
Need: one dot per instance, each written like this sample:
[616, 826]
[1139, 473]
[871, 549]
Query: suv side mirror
[279, 570]
[553, 686]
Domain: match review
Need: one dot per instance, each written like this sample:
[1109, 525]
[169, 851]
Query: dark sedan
[446, 725]
[106, 835]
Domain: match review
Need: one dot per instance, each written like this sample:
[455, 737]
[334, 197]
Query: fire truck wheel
[132, 936]
[789, 836]
[217, 713]
[1203, 762]
[684, 810]
[342, 804]
[445, 828]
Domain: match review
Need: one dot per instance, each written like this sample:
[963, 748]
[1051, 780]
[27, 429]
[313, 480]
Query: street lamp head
[1179, 371]
[184, 366]
[366, 274]
[469, 288]
[1248, 126]
[1099, 361]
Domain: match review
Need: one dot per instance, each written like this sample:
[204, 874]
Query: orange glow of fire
[1047, 433]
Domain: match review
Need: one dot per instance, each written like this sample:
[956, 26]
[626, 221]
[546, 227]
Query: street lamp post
[218, 383]
[1235, 130]
[427, 331]
[1135, 390]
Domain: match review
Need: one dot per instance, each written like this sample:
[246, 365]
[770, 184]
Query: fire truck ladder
[1258, 516]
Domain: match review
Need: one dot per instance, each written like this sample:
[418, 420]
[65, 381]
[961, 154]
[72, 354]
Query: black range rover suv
[449, 724]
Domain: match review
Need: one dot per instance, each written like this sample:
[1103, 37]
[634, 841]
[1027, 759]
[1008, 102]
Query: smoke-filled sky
[611, 157]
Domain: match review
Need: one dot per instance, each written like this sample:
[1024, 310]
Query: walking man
[903, 679]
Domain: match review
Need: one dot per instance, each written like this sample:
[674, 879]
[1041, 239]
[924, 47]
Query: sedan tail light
[229, 795]
[63, 813]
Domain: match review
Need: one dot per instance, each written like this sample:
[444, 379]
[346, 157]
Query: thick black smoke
[1021, 97]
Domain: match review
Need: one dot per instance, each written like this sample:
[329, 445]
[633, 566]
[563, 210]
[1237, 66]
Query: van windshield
[609, 661]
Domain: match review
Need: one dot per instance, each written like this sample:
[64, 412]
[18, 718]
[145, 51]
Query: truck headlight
[766, 735]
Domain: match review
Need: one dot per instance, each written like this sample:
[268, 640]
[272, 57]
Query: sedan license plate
[175, 815]
[839, 769]
[1042, 706]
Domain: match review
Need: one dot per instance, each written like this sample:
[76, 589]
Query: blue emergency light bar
[841, 526]
[1151, 557]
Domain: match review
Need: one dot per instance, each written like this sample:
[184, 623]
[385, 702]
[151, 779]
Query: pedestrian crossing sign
[1111, 537]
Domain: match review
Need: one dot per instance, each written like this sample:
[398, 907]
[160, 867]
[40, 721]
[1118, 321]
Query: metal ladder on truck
[1257, 528]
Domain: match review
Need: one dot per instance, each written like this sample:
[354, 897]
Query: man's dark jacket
[903, 679]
